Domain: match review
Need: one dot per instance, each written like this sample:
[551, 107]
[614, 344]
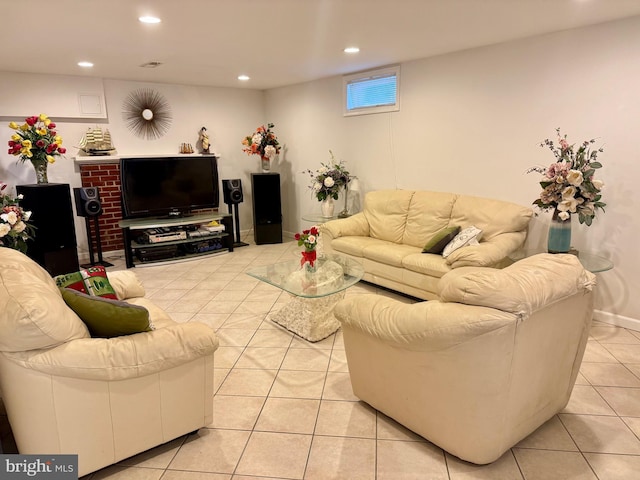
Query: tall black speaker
[267, 208]
[54, 244]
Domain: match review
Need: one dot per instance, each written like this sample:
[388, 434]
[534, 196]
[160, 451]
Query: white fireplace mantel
[98, 159]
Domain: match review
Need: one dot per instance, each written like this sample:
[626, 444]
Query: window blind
[374, 91]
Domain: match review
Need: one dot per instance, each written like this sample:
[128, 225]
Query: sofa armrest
[487, 254]
[355, 225]
[424, 326]
[123, 357]
[126, 284]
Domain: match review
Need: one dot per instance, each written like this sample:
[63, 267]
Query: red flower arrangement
[308, 238]
[36, 140]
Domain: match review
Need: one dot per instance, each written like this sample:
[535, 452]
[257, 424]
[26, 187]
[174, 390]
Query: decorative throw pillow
[440, 240]
[107, 318]
[92, 281]
[469, 236]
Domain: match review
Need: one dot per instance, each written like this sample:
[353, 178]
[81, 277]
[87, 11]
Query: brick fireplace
[105, 175]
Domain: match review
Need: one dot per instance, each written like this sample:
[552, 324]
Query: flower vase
[40, 166]
[266, 164]
[559, 240]
[308, 261]
[327, 206]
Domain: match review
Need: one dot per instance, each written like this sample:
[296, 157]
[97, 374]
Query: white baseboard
[617, 320]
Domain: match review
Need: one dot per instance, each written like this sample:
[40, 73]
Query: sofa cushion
[353, 245]
[92, 281]
[469, 236]
[386, 211]
[521, 288]
[389, 253]
[430, 264]
[429, 212]
[107, 318]
[441, 239]
[33, 312]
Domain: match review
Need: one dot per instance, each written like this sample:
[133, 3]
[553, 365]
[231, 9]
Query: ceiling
[275, 42]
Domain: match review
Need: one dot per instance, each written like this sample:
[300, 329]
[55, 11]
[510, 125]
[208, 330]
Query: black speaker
[267, 208]
[232, 191]
[88, 202]
[54, 245]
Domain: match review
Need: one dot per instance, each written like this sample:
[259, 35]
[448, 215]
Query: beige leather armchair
[103, 399]
[482, 368]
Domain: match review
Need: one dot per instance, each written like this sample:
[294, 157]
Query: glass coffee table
[590, 261]
[309, 314]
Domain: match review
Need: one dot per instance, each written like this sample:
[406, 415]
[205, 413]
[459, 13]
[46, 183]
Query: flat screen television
[168, 186]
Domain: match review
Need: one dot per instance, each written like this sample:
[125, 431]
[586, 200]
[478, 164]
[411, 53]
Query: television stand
[180, 243]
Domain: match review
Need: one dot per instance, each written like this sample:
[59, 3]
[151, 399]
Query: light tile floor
[284, 409]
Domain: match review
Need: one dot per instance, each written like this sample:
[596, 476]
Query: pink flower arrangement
[568, 184]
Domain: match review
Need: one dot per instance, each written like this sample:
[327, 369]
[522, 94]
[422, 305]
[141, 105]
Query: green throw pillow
[92, 281]
[440, 240]
[107, 318]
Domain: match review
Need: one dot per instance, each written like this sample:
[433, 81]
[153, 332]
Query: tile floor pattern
[284, 409]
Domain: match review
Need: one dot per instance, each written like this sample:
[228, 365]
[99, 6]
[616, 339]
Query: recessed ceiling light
[351, 50]
[85, 64]
[243, 78]
[149, 19]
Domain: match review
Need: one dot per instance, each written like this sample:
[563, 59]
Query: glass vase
[308, 261]
[40, 166]
[327, 206]
[559, 240]
[266, 164]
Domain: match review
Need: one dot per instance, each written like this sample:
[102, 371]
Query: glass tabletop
[590, 261]
[333, 274]
[317, 218]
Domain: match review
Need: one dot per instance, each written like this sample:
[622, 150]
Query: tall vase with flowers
[569, 187]
[326, 183]
[37, 141]
[15, 228]
[262, 142]
[308, 238]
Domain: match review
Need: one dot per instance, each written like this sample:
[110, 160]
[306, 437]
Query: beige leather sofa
[388, 236]
[482, 368]
[103, 399]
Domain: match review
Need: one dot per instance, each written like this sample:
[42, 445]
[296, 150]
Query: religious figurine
[204, 141]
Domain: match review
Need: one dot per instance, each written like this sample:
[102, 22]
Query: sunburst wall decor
[147, 113]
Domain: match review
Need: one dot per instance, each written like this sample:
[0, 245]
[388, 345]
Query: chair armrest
[126, 284]
[424, 326]
[526, 286]
[489, 253]
[123, 357]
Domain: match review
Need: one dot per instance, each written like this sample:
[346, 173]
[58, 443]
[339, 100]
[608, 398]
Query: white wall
[471, 122]
[229, 115]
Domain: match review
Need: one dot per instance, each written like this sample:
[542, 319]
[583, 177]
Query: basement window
[374, 91]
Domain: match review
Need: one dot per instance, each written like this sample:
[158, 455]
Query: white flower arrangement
[327, 181]
[14, 227]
